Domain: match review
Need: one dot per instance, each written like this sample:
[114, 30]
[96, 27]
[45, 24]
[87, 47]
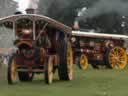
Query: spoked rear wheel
[11, 74]
[117, 57]
[83, 62]
[49, 70]
[69, 62]
[66, 61]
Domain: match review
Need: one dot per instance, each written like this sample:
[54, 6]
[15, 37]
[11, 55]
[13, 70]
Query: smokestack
[30, 11]
[76, 25]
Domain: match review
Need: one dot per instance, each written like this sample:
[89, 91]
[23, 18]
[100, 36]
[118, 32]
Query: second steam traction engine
[99, 49]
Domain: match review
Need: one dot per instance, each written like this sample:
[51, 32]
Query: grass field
[85, 83]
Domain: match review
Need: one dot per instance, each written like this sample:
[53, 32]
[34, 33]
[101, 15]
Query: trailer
[99, 49]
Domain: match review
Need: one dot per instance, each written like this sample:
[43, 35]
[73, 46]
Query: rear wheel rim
[70, 63]
[83, 62]
[118, 58]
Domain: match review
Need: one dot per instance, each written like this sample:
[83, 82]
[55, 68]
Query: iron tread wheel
[66, 61]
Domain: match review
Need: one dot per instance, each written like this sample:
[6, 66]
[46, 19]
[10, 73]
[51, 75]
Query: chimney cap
[30, 11]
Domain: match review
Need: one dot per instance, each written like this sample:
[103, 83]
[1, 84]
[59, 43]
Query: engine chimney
[30, 11]
[76, 25]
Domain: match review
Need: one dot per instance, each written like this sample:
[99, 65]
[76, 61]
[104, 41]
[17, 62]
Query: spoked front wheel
[83, 62]
[11, 74]
[49, 69]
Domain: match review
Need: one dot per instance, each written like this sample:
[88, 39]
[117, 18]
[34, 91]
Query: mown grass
[92, 82]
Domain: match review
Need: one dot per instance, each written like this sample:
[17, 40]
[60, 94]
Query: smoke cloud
[44, 5]
[105, 6]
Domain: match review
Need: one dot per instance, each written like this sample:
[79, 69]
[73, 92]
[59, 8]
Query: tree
[7, 7]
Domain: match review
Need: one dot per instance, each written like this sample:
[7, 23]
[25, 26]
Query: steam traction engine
[42, 46]
[99, 50]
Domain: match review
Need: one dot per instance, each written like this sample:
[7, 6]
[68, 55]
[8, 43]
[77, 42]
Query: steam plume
[24, 4]
[44, 5]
